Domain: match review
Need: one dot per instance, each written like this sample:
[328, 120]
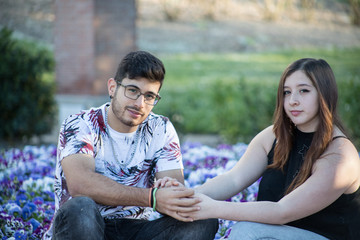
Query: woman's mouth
[295, 113]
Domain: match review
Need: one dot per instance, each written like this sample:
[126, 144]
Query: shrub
[238, 110]
[28, 106]
[349, 107]
[243, 109]
[355, 12]
[190, 110]
[235, 110]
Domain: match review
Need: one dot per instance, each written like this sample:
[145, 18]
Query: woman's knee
[247, 230]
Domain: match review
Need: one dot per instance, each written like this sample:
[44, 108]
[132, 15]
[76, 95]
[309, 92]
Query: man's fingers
[181, 192]
[185, 210]
[174, 193]
[186, 202]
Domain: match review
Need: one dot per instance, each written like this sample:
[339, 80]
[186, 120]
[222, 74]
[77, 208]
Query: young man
[108, 160]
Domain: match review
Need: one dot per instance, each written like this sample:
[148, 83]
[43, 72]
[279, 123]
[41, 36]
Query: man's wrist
[153, 199]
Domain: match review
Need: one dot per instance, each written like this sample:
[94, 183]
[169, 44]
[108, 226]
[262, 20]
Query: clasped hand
[181, 203]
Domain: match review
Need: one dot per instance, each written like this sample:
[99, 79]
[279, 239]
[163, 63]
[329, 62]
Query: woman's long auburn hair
[322, 77]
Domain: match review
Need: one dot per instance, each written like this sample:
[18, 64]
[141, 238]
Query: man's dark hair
[140, 64]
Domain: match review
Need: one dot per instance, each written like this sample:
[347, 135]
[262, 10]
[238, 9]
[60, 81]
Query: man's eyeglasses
[134, 93]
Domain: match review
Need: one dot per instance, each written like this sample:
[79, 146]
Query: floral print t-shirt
[154, 147]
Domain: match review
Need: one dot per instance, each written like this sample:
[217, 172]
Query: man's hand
[172, 200]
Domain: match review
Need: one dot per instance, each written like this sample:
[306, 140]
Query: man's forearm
[106, 191]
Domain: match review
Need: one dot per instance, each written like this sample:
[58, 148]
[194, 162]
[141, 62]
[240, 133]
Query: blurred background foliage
[227, 94]
[27, 88]
[234, 95]
[270, 10]
[230, 95]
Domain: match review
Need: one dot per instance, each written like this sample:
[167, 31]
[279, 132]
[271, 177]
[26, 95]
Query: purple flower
[20, 235]
[35, 223]
[13, 209]
[26, 177]
[21, 198]
[224, 146]
[38, 200]
[28, 209]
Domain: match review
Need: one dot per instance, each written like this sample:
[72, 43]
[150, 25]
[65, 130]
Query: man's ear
[111, 87]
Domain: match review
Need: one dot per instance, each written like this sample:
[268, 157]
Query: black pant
[79, 219]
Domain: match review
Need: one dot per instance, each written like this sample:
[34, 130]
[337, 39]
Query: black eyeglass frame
[156, 100]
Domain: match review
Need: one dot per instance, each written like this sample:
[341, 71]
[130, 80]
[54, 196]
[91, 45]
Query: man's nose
[140, 101]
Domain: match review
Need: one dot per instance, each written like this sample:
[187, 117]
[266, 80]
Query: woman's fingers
[180, 217]
[162, 182]
[167, 182]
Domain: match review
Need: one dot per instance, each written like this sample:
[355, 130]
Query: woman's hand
[173, 200]
[205, 208]
[167, 182]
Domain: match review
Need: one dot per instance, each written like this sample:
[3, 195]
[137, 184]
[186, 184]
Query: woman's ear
[111, 87]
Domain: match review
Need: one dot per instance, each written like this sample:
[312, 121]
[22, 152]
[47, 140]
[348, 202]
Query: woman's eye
[287, 92]
[304, 91]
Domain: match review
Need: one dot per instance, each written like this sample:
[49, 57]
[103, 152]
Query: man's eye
[150, 96]
[132, 90]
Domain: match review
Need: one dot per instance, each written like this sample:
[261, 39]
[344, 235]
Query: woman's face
[301, 102]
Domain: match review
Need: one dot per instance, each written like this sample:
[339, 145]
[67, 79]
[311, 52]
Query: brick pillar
[114, 37]
[91, 37]
[74, 46]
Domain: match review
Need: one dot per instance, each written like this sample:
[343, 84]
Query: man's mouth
[134, 112]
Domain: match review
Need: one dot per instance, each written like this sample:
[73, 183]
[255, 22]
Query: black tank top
[340, 220]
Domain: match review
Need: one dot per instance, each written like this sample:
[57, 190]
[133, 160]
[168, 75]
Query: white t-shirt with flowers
[154, 147]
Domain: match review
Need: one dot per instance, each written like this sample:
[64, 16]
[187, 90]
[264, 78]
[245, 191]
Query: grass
[195, 86]
[219, 93]
[187, 70]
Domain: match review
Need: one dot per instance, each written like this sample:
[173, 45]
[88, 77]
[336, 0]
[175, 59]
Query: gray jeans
[257, 231]
[80, 219]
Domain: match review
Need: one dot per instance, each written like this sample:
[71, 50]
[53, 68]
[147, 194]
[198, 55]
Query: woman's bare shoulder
[342, 146]
[265, 138]
[342, 156]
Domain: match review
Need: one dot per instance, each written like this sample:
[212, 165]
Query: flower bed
[26, 183]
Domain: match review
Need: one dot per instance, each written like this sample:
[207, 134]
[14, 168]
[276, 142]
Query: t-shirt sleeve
[170, 157]
[75, 137]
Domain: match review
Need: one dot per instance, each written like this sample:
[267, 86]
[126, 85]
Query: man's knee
[78, 215]
[78, 203]
[201, 229]
[80, 209]
[211, 225]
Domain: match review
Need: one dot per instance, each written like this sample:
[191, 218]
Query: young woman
[310, 170]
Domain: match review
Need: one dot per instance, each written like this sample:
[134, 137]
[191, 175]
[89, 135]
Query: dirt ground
[243, 29]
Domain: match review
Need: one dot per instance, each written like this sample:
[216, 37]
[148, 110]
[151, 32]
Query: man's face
[129, 113]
